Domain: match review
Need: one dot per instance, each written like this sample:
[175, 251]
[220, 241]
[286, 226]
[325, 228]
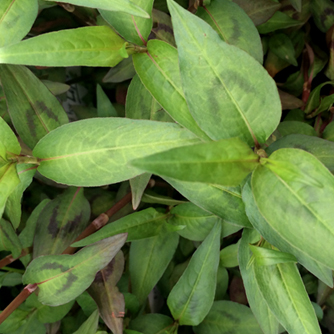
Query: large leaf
[225, 202]
[16, 19]
[191, 298]
[133, 29]
[223, 107]
[226, 317]
[294, 192]
[54, 49]
[34, 110]
[149, 259]
[60, 222]
[95, 152]
[270, 234]
[106, 295]
[262, 312]
[125, 6]
[233, 26]
[158, 69]
[62, 278]
[226, 162]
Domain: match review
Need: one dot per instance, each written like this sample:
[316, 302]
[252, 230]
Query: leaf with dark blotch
[107, 296]
[60, 222]
[32, 107]
[89, 46]
[323, 14]
[259, 11]
[9, 241]
[62, 278]
[233, 26]
[162, 27]
[16, 20]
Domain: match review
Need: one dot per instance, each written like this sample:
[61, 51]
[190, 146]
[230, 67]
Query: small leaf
[222, 71]
[282, 46]
[293, 127]
[62, 278]
[104, 106]
[229, 256]
[16, 20]
[328, 134]
[8, 139]
[9, 241]
[278, 21]
[269, 257]
[149, 259]
[225, 162]
[323, 14]
[121, 72]
[139, 225]
[191, 298]
[297, 5]
[54, 49]
[83, 153]
[314, 100]
[138, 185]
[125, 6]
[90, 325]
[32, 107]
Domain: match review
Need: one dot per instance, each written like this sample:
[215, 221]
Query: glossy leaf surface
[97, 146]
[223, 109]
[191, 298]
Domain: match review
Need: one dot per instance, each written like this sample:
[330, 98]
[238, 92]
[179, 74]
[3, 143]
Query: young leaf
[191, 298]
[60, 222]
[258, 305]
[268, 257]
[8, 139]
[62, 278]
[34, 110]
[225, 202]
[139, 225]
[149, 259]
[305, 200]
[9, 241]
[226, 317]
[151, 324]
[278, 21]
[158, 69]
[16, 20]
[83, 153]
[133, 29]
[282, 46]
[226, 162]
[125, 6]
[90, 325]
[229, 256]
[222, 71]
[106, 295]
[138, 185]
[88, 46]
[274, 237]
[227, 18]
[104, 106]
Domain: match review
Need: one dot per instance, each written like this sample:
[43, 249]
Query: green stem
[24, 159]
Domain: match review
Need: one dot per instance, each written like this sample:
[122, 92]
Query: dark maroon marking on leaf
[53, 228]
[31, 123]
[41, 105]
[53, 265]
[72, 224]
[236, 30]
[326, 12]
[107, 272]
[71, 278]
[164, 27]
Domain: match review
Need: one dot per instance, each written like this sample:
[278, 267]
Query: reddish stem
[9, 259]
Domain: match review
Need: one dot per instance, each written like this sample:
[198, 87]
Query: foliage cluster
[166, 166]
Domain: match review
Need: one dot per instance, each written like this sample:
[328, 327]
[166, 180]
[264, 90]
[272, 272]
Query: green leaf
[229, 256]
[258, 305]
[83, 153]
[62, 278]
[293, 127]
[268, 257]
[323, 14]
[198, 222]
[16, 20]
[54, 49]
[274, 237]
[278, 21]
[225, 202]
[159, 72]
[90, 325]
[149, 259]
[225, 162]
[284, 195]
[226, 317]
[104, 106]
[162, 27]
[222, 71]
[259, 11]
[151, 323]
[13, 205]
[297, 5]
[125, 6]
[9, 241]
[328, 134]
[138, 225]
[191, 298]
[61, 222]
[150, 196]
[133, 29]
[106, 295]
[233, 26]
[282, 46]
[140, 104]
[56, 88]
[8, 139]
[138, 185]
[314, 100]
[34, 110]
[320, 148]
[121, 72]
